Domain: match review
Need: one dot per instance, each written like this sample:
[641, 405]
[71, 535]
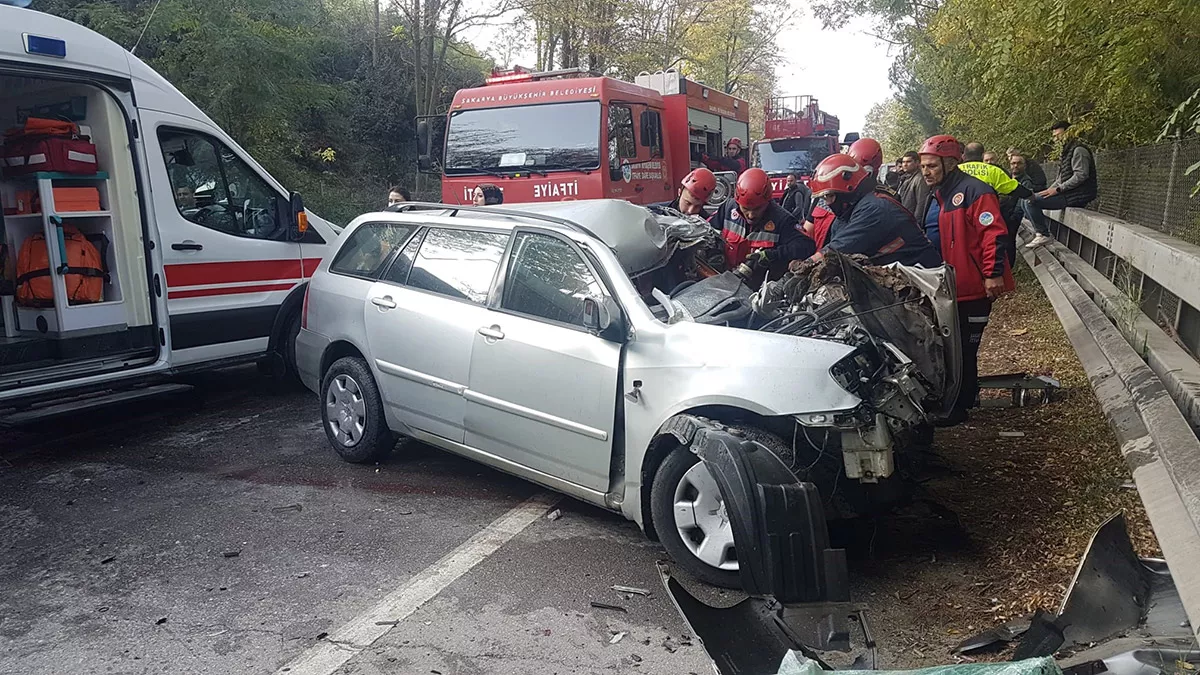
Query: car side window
[368, 248]
[214, 188]
[548, 279]
[458, 263]
[402, 265]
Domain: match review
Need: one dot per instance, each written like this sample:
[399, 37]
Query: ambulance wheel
[352, 412]
[689, 517]
[290, 332]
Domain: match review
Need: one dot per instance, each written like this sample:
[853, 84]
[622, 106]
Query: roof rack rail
[490, 210]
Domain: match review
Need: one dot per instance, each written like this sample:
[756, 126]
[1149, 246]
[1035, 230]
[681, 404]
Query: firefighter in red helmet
[756, 229]
[694, 191]
[962, 216]
[733, 160]
[869, 153]
[869, 220]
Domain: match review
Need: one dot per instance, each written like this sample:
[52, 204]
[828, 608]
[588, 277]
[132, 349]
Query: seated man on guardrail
[1075, 186]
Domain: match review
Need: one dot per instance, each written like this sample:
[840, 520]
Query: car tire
[352, 412]
[676, 476]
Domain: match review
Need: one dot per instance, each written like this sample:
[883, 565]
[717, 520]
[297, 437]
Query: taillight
[304, 308]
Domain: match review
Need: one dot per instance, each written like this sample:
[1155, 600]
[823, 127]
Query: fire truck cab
[797, 136]
[567, 135]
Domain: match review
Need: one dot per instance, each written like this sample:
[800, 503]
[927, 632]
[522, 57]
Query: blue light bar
[44, 46]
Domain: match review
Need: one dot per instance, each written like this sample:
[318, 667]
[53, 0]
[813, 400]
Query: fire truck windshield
[790, 154]
[550, 137]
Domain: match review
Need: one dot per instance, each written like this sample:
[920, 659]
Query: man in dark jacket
[971, 234]
[797, 198]
[913, 190]
[869, 221]
[1076, 184]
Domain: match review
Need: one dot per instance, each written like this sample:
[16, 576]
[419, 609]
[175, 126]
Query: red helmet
[753, 189]
[734, 141]
[943, 145]
[837, 173]
[867, 151]
[700, 182]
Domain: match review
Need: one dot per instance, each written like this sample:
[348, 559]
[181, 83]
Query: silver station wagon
[581, 345]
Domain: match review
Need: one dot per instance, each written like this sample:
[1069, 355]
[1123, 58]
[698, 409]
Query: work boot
[1039, 240]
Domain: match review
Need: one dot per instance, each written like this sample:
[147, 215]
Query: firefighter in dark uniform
[963, 216]
[756, 229]
[868, 219]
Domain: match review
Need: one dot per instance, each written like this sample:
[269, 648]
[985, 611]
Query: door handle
[492, 332]
[187, 246]
[385, 302]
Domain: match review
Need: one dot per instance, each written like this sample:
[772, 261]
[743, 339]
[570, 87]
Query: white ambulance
[206, 257]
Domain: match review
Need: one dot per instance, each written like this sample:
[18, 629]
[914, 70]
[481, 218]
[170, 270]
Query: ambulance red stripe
[205, 292]
[199, 274]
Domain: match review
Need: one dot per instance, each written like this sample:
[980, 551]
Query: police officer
[756, 229]
[869, 219]
[964, 217]
[694, 191]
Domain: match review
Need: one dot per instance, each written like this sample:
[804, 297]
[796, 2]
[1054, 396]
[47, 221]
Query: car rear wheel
[689, 515]
[352, 412]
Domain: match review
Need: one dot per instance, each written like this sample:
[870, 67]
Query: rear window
[368, 248]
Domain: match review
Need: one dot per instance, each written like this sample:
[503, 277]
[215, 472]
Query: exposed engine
[901, 321]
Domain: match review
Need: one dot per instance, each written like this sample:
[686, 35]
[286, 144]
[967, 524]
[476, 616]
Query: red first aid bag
[85, 272]
[47, 145]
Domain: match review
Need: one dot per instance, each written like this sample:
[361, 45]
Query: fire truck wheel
[689, 517]
[352, 412]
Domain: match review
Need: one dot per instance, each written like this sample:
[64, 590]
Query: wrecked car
[584, 345]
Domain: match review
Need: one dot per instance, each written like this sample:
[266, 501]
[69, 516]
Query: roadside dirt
[1008, 517]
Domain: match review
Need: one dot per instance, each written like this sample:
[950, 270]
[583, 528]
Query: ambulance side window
[621, 142]
[216, 189]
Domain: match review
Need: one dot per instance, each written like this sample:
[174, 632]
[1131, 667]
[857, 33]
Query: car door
[542, 388]
[421, 319]
[224, 229]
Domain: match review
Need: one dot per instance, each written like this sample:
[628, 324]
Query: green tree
[891, 123]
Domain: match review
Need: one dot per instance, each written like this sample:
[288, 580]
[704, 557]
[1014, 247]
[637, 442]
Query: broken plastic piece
[631, 589]
[605, 605]
[994, 637]
[554, 515]
[617, 638]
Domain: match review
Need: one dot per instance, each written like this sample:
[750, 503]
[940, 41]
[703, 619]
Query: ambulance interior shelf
[66, 210]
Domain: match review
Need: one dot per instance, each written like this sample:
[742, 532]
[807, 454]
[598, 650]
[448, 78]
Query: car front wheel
[689, 515]
[352, 412]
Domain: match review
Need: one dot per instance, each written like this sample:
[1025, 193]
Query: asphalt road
[218, 533]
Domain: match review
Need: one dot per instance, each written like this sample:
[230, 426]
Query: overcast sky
[846, 70]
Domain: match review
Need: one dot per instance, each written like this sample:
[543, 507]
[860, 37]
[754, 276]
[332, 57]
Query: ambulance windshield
[550, 137]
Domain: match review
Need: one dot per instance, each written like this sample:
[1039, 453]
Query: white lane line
[361, 632]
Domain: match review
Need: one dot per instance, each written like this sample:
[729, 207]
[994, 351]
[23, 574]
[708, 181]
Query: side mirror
[424, 148]
[299, 217]
[851, 137]
[431, 133]
[597, 314]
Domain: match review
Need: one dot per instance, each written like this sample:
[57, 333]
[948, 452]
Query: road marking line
[361, 632]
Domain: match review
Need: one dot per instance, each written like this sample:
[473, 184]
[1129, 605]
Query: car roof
[629, 230]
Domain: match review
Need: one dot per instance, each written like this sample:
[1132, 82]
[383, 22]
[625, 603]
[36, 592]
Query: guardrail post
[1166, 218]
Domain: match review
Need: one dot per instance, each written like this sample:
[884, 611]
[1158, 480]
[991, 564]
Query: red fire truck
[797, 136]
[568, 135]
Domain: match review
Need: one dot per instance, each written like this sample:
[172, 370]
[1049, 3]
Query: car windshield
[792, 154]
[554, 136]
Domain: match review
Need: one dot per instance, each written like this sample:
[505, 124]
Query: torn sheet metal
[1025, 389]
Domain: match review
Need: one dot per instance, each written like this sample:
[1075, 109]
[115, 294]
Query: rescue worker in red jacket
[694, 191]
[732, 161]
[870, 220]
[963, 216]
[756, 229]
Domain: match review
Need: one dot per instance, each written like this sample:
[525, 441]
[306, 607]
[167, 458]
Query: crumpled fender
[778, 521]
